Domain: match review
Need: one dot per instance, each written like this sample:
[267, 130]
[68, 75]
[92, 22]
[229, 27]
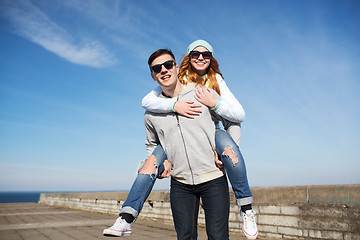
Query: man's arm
[151, 142]
[234, 129]
[152, 139]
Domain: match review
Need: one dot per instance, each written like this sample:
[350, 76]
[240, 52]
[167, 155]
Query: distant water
[17, 197]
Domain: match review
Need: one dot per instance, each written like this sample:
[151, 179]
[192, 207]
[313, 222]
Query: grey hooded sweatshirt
[188, 143]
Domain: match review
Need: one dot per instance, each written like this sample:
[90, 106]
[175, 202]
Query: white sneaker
[120, 228]
[250, 228]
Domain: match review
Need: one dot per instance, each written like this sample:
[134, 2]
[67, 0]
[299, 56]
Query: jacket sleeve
[229, 107]
[234, 129]
[153, 103]
[152, 139]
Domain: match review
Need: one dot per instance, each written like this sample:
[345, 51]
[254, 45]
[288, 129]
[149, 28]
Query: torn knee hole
[149, 166]
[230, 153]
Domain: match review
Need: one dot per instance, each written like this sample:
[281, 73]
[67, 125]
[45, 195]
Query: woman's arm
[153, 103]
[229, 107]
[210, 98]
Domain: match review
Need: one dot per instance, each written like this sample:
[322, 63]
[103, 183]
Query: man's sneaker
[250, 228]
[120, 228]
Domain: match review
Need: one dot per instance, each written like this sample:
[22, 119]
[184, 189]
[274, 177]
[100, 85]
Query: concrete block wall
[302, 212]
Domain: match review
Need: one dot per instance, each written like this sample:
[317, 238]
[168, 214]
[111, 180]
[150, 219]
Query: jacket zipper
[186, 153]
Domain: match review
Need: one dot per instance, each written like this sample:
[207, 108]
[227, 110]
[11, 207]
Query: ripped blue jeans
[234, 166]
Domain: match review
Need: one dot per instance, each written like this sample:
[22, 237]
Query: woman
[199, 66]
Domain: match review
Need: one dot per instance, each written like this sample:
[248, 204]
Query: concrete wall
[301, 212]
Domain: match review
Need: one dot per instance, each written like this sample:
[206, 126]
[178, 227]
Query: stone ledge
[310, 212]
[273, 196]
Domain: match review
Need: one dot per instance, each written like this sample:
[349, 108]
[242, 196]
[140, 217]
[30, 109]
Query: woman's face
[200, 65]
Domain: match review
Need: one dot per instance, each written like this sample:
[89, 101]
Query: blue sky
[73, 73]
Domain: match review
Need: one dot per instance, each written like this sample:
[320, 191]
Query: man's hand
[218, 162]
[187, 108]
[205, 96]
[167, 170]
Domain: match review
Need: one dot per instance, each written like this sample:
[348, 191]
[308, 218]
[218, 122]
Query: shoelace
[250, 219]
[118, 222]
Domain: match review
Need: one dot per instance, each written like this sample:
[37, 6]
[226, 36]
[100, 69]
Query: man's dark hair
[159, 53]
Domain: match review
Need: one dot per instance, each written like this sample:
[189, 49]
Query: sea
[18, 197]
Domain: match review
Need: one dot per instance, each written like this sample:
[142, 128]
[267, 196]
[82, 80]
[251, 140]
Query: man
[190, 147]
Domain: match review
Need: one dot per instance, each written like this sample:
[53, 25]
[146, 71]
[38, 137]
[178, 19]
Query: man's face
[166, 77]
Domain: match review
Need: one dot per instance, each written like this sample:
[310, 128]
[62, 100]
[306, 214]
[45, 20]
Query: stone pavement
[32, 221]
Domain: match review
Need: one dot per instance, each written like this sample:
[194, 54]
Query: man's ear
[177, 69]
[152, 75]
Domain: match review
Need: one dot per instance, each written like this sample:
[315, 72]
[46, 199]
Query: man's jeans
[236, 173]
[185, 200]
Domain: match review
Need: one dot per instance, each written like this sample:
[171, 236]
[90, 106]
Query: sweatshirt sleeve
[152, 139]
[228, 107]
[234, 129]
[153, 103]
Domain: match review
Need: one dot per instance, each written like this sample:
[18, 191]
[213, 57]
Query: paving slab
[32, 221]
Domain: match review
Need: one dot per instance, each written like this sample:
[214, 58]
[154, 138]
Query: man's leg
[185, 208]
[216, 204]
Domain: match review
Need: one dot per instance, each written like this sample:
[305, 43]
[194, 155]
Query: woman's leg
[185, 208]
[144, 183]
[235, 167]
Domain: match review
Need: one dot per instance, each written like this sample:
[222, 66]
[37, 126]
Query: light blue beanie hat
[202, 43]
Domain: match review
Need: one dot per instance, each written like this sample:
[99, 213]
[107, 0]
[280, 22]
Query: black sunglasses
[196, 54]
[168, 65]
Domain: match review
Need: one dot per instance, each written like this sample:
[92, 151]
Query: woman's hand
[205, 96]
[187, 108]
[167, 170]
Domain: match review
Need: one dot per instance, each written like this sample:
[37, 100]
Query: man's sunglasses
[168, 65]
[196, 54]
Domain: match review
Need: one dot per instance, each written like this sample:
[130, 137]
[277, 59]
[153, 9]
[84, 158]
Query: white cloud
[30, 22]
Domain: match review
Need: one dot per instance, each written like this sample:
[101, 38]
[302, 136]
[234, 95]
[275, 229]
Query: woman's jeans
[143, 185]
[185, 201]
[234, 167]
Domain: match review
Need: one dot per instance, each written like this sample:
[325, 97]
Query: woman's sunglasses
[168, 65]
[196, 54]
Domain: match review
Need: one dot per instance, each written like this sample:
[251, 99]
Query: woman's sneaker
[120, 228]
[250, 228]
